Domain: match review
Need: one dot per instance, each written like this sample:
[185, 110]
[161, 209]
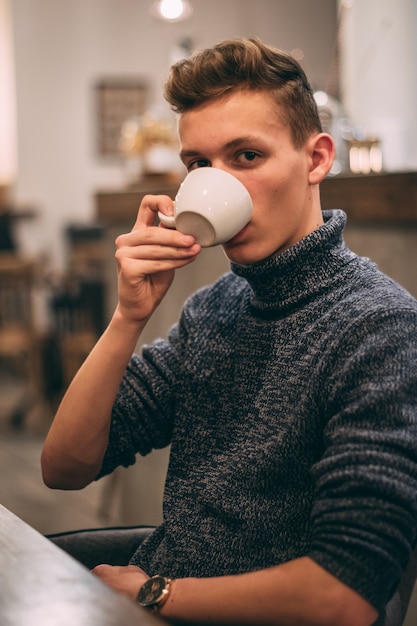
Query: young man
[287, 390]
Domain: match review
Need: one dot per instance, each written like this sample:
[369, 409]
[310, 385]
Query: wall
[7, 100]
[379, 90]
[62, 48]
[379, 78]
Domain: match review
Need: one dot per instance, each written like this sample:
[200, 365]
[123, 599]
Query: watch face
[152, 591]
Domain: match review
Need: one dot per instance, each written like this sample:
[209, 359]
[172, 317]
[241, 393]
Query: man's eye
[198, 163]
[249, 155]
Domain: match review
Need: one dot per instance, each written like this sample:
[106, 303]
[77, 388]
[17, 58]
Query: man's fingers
[155, 241]
[149, 208]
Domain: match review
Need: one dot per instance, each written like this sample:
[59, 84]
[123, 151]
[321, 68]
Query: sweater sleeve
[365, 509]
[143, 413]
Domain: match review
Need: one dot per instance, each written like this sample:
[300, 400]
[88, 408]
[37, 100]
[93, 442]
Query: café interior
[85, 133]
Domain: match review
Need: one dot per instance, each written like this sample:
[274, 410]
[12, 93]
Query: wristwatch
[154, 592]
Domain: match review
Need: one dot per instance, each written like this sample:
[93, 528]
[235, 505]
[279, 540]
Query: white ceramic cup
[212, 205]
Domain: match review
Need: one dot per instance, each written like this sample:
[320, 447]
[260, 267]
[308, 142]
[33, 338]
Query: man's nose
[220, 165]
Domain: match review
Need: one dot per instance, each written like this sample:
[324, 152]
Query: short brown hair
[246, 64]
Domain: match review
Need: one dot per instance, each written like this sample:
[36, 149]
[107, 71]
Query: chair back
[17, 276]
[20, 343]
[396, 609]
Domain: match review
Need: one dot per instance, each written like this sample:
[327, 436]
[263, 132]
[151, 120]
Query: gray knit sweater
[288, 391]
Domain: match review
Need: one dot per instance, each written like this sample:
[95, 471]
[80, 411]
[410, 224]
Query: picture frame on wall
[117, 99]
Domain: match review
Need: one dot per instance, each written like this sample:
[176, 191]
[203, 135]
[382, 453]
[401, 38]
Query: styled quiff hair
[240, 64]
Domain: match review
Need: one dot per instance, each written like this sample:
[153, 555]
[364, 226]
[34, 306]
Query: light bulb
[171, 10]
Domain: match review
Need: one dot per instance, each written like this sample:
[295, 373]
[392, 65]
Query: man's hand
[147, 258]
[126, 579]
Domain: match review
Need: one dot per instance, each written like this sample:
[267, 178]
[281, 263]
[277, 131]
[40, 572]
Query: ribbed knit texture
[288, 390]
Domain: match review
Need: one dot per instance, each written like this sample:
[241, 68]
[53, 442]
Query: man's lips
[238, 236]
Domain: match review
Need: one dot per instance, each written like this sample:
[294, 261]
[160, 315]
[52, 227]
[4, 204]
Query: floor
[21, 487]
[49, 511]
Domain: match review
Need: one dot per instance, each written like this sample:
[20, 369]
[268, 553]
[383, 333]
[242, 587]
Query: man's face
[244, 134]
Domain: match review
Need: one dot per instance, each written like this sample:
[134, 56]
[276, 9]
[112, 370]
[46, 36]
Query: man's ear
[321, 153]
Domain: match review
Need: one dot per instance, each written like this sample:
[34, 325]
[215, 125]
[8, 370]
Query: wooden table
[40, 585]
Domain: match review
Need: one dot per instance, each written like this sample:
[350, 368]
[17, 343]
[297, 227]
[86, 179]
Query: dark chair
[115, 546]
[396, 608]
[7, 241]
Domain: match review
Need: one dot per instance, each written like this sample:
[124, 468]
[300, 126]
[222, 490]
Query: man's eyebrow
[189, 153]
[234, 143]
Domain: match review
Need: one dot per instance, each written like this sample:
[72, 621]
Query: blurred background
[85, 132]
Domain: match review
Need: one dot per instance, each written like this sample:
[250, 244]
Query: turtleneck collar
[304, 269]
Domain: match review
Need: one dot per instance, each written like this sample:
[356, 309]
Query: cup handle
[166, 220]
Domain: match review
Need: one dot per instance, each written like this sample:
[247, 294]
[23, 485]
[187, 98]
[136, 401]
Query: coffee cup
[212, 205]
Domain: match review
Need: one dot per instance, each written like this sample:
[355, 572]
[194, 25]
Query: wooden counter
[386, 198]
[120, 206]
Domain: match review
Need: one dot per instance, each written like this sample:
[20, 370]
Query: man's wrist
[154, 593]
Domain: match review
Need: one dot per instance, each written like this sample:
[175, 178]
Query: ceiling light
[171, 10]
